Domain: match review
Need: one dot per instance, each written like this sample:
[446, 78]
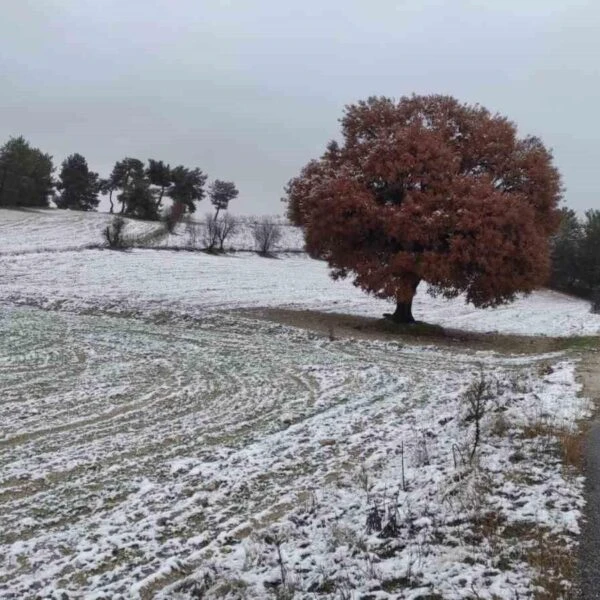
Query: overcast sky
[250, 90]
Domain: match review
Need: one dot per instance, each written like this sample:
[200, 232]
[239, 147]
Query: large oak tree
[429, 189]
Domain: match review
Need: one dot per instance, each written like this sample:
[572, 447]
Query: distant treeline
[576, 255]
[138, 189]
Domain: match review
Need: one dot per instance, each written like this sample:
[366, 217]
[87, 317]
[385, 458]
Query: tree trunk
[111, 202]
[160, 197]
[4, 173]
[403, 312]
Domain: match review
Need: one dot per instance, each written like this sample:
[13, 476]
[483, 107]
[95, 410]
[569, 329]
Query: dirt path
[589, 372]
[337, 325]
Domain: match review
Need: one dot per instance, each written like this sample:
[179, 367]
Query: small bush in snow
[218, 229]
[209, 234]
[477, 397]
[114, 233]
[266, 234]
[192, 231]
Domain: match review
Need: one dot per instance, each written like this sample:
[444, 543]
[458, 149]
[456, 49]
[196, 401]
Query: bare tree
[211, 227]
[192, 231]
[266, 234]
[227, 225]
[217, 229]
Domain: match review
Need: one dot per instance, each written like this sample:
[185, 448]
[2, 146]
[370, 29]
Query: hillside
[190, 283]
[33, 230]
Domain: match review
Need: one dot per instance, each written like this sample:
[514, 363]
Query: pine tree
[589, 251]
[140, 200]
[187, 187]
[107, 187]
[219, 229]
[25, 174]
[159, 175]
[221, 193]
[566, 272]
[136, 198]
[78, 186]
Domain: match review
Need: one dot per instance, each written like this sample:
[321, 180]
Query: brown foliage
[429, 189]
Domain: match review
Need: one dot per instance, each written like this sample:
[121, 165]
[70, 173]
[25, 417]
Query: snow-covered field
[26, 231]
[141, 459]
[155, 445]
[194, 282]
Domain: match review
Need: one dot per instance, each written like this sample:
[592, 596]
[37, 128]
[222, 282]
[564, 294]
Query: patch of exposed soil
[338, 325]
[589, 376]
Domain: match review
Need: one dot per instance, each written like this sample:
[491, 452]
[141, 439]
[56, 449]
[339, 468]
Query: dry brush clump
[267, 233]
[217, 230]
[555, 566]
[114, 234]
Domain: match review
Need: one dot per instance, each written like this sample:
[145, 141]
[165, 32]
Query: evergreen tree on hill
[188, 187]
[589, 252]
[25, 175]
[136, 198]
[566, 272]
[221, 193]
[159, 175]
[78, 185]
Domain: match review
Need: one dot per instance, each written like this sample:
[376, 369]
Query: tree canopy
[221, 193]
[576, 254]
[429, 189]
[159, 175]
[136, 198]
[25, 174]
[78, 185]
[188, 187]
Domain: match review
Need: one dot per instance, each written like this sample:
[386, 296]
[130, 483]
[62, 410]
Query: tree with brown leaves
[427, 189]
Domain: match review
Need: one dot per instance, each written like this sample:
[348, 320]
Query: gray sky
[251, 90]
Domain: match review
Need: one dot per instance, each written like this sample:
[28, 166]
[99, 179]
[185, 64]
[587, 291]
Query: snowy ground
[193, 282]
[50, 229]
[154, 445]
[141, 459]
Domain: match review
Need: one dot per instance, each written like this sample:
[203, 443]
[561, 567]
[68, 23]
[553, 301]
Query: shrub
[218, 230]
[227, 225]
[211, 227]
[266, 234]
[114, 233]
[193, 233]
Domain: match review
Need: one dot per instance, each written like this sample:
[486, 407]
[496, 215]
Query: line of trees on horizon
[137, 189]
[576, 256]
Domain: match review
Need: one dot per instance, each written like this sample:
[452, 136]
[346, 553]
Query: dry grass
[573, 447]
[570, 444]
[555, 565]
[552, 559]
